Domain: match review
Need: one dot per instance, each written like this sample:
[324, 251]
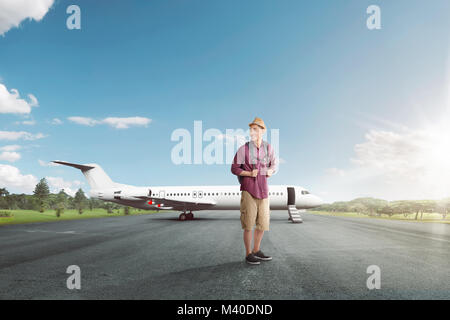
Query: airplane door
[291, 196]
[162, 194]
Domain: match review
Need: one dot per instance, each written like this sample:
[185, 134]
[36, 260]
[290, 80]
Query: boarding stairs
[294, 214]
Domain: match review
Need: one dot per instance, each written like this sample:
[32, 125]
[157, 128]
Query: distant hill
[378, 207]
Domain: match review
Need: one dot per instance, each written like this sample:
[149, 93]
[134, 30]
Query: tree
[402, 207]
[388, 210]
[80, 201]
[109, 207]
[61, 202]
[4, 198]
[443, 207]
[41, 193]
[91, 204]
[3, 192]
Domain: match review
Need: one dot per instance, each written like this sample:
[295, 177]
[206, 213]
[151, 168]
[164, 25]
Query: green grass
[30, 216]
[427, 217]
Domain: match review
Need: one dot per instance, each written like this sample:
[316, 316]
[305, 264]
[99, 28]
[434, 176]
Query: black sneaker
[261, 256]
[251, 259]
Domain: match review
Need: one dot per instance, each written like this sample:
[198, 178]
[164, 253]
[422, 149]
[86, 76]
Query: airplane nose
[318, 201]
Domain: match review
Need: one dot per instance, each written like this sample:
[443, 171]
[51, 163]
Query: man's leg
[248, 241]
[262, 222]
[257, 237]
[248, 218]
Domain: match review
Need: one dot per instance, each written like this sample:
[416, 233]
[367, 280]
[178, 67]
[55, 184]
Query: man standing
[253, 163]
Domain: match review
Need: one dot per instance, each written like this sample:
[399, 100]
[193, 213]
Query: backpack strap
[241, 177]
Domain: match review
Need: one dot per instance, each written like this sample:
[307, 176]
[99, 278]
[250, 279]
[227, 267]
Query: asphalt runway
[158, 257]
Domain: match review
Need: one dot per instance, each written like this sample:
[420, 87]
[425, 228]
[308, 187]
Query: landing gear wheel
[182, 217]
[190, 216]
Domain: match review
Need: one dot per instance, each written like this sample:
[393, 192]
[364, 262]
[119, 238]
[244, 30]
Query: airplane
[190, 198]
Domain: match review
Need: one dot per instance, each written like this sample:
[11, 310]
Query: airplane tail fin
[96, 177]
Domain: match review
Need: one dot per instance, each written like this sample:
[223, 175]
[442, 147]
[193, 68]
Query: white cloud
[56, 121]
[70, 187]
[15, 135]
[408, 164]
[26, 122]
[11, 147]
[11, 178]
[48, 164]
[16, 182]
[125, 123]
[118, 123]
[84, 121]
[9, 156]
[10, 101]
[13, 12]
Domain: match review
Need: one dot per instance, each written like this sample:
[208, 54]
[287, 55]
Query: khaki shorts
[254, 210]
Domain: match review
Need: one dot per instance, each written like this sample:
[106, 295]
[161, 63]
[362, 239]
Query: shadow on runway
[195, 219]
[231, 218]
[202, 275]
[219, 281]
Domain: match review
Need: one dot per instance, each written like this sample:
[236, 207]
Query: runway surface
[158, 257]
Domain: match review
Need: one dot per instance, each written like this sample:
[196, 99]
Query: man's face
[256, 132]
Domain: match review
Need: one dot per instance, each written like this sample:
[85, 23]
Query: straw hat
[259, 122]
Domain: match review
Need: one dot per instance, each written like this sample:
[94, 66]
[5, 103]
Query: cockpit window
[305, 192]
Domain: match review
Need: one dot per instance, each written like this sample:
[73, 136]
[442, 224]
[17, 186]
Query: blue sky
[312, 69]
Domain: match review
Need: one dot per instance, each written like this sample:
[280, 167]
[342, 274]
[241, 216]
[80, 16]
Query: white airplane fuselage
[225, 197]
[187, 198]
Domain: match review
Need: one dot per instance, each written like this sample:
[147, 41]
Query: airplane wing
[179, 204]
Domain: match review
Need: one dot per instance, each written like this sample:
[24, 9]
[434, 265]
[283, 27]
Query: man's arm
[237, 170]
[239, 159]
